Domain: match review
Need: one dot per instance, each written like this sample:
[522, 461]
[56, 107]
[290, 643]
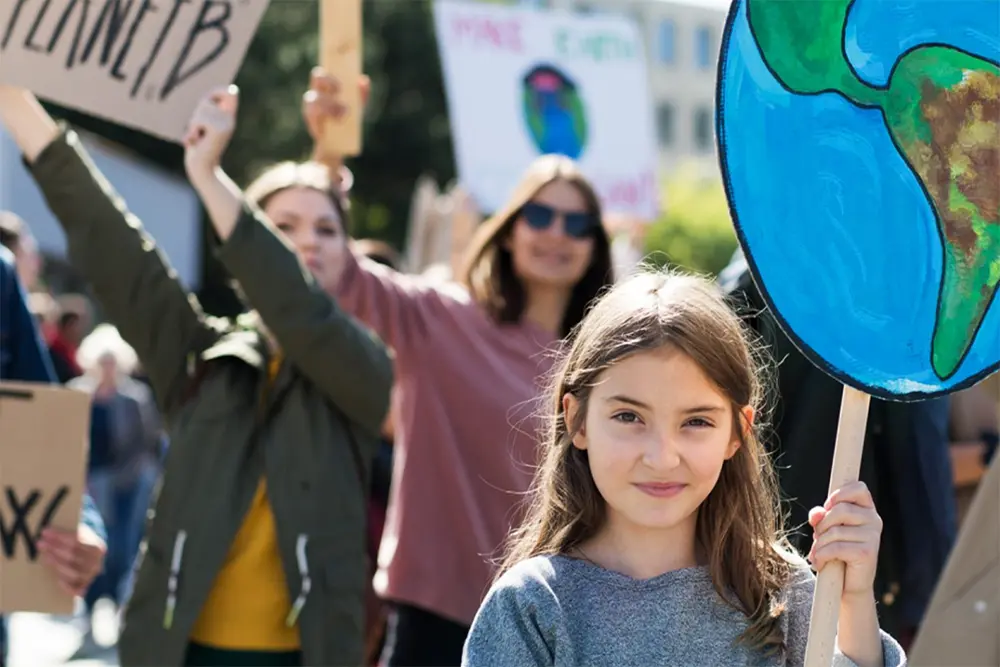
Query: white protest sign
[523, 82]
[141, 63]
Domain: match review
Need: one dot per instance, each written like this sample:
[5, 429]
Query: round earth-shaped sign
[860, 148]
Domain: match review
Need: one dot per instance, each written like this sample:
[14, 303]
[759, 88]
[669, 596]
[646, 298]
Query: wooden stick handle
[830, 581]
[340, 56]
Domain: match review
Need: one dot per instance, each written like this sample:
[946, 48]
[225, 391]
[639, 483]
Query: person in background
[75, 557]
[72, 318]
[962, 619]
[15, 235]
[905, 463]
[382, 253]
[124, 457]
[255, 553]
[71, 327]
[45, 310]
[470, 358]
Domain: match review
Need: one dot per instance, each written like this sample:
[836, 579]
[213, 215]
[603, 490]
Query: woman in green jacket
[255, 554]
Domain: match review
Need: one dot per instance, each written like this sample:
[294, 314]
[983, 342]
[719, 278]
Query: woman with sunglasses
[471, 360]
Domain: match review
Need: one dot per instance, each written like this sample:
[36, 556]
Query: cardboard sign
[340, 56]
[441, 226]
[140, 63]
[43, 455]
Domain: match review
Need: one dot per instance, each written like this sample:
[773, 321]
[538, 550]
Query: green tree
[695, 232]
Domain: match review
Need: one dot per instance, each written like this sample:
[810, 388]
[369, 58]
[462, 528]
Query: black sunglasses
[577, 225]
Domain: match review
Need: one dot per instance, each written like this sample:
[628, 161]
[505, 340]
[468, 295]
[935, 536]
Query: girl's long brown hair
[488, 270]
[738, 525]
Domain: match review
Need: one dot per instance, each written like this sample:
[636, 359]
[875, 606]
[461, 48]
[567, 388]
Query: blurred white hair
[105, 340]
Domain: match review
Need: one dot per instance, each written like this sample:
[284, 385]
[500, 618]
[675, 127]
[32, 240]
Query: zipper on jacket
[175, 571]
[300, 550]
[303, 563]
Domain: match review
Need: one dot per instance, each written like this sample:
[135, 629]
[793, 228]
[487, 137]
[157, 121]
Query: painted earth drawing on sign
[554, 112]
[890, 121]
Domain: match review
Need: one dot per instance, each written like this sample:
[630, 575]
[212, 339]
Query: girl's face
[657, 432]
[308, 220]
[552, 240]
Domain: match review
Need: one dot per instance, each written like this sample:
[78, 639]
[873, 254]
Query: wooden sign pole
[340, 56]
[830, 581]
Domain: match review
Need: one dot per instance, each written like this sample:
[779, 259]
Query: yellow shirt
[249, 602]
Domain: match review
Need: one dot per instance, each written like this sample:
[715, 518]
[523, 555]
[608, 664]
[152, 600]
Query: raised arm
[349, 364]
[107, 244]
[398, 308]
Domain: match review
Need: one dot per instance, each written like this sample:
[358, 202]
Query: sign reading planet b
[553, 112]
[860, 148]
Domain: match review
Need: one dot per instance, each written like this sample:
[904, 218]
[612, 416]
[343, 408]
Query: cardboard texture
[43, 457]
[141, 64]
[340, 56]
[442, 224]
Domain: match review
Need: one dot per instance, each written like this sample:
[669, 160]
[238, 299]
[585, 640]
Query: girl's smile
[661, 489]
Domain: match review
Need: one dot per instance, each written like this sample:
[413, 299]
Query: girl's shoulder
[531, 575]
[535, 583]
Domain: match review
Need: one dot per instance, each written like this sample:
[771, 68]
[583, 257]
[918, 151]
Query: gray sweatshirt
[554, 610]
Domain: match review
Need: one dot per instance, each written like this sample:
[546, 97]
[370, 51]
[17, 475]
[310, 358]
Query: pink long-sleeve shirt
[467, 410]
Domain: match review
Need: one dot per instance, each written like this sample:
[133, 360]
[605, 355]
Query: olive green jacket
[313, 435]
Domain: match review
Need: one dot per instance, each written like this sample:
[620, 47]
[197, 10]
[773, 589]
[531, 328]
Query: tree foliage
[696, 232]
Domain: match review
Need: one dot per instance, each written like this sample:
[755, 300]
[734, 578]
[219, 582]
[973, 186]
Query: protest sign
[43, 454]
[442, 223]
[523, 82]
[340, 56]
[861, 159]
[140, 63]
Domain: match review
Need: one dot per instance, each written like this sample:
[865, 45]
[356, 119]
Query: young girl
[654, 538]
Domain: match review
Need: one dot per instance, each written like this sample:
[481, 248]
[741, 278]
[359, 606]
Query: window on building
[703, 48]
[703, 130]
[665, 42]
[665, 123]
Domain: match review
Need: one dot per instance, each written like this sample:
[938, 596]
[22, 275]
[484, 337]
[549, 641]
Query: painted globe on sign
[860, 147]
[553, 112]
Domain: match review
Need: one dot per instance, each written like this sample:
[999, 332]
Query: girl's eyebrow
[628, 400]
[621, 398]
[704, 408]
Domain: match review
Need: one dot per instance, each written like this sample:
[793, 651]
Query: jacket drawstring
[175, 571]
[303, 563]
